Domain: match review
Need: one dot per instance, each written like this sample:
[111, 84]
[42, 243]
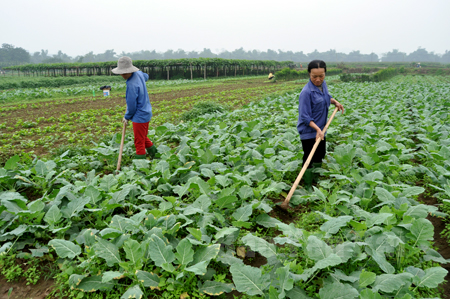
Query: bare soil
[20, 289]
[440, 242]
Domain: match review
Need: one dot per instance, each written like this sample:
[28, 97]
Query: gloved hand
[125, 121]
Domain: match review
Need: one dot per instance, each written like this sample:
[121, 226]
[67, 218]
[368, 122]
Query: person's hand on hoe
[124, 121]
[319, 134]
[338, 105]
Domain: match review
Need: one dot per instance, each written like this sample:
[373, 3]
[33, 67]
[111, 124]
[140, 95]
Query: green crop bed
[201, 220]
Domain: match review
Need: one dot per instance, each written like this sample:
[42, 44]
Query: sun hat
[124, 66]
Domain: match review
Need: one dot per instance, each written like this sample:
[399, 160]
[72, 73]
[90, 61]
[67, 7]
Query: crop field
[201, 220]
[38, 124]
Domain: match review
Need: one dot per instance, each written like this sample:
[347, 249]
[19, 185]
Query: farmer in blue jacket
[313, 105]
[139, 109]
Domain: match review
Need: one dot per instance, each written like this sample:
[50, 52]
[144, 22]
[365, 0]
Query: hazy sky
[77, 27]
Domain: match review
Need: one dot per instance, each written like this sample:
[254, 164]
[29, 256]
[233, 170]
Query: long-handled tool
[121, 146]
[285, 203]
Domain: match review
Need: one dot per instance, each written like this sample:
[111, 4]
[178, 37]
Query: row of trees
[10, 55]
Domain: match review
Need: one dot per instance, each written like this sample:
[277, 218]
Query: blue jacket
[312, 106]
[139, 109]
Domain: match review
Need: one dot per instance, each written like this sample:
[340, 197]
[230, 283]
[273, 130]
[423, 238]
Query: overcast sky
[77, 27]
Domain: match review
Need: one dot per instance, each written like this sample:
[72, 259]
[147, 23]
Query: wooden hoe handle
[285, 203]
[121, 146]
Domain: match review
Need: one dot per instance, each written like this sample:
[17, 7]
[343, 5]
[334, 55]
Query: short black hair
[317, 64]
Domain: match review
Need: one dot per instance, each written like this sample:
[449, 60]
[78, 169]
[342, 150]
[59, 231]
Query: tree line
[11, 55]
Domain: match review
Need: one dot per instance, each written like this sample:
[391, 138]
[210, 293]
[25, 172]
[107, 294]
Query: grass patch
[203, 108]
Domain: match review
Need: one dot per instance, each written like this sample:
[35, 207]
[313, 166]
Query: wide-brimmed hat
[124, 66]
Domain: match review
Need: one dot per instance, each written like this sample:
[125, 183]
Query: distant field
[54, 118]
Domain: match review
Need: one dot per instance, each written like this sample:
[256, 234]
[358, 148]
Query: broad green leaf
[380, 243]
[133, 292]
[228, 258]
[242, 224]
[329, 261]
[119, 196]
[226, 202]
[245, 192]
[148, 280]
[206, 253]
[366, 278]
[260, 245]
[43, 168]
[195, 232]
[376, 175]
[369, 294]
[36, 206]
[380, 259]
[5, 247]
[286, 240]
[107, 251]
[75, 206]
[185, 253]
[110, 275]
[222, 180]
[243, 213]
[317, 249]
[338, 290]
[198, 269]
[419, 211]
[249, 280]
[108, 182]
[341, 276]
[384, 195]
[53, 215]
[297, 293]
[123, 224]
[65, 248]
[159, 252]
[433, 255]
[376, 219]
[215, 288]
[75, 280]
[133, 252]
[273, 293]
[94, 283]
[202, 203]
[345, 250]
[207, 157]
[267, 221]
[225, 231]
[334, 225]
[411, 191]
[11, 164]
[431, 278]
[422, 231]
[285, 281]
[389, 283]
[39, 252]
[93, 193]
[291, 231]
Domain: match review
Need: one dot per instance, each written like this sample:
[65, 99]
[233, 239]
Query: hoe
[285, 203]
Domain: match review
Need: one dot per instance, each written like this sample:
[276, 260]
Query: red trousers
[141, 141]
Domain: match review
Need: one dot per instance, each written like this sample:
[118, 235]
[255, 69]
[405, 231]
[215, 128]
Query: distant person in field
[271, 76]
[313, 105]
[139, 109]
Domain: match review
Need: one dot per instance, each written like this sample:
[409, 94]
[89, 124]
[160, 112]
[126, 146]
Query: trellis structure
[187, 68]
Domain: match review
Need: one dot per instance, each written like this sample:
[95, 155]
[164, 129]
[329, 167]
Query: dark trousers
[321, 150]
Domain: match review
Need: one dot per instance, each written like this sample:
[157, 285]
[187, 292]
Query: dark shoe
[151, 151]
[308, 179]
[139, 156]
